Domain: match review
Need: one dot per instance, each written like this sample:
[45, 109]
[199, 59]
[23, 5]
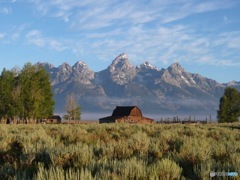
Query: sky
[202, 35]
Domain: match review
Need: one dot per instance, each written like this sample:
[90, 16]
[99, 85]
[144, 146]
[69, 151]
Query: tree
[36, 92]
[43, 96]
[72, 108]
[26, 81]
[229, 107]
[8, 103]
[26, 93]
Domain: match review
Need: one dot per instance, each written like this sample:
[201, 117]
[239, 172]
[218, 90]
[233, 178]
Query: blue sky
[203, 36]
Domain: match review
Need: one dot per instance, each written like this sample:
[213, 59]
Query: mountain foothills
[161, 91]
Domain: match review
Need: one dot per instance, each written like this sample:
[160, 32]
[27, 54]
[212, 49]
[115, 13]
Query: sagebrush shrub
[165, 169]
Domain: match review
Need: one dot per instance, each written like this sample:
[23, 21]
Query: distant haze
[157, 117]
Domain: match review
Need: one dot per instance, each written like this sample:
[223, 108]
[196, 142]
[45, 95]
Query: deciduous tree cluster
[26, 93]
[72, 108]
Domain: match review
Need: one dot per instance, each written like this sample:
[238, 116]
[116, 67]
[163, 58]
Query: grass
[118, 151]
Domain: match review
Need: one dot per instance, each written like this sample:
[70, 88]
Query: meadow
[118, 151]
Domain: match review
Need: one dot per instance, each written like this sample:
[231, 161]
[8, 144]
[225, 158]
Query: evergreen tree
[229, 107]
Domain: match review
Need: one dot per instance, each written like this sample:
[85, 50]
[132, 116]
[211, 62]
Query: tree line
[26, 93]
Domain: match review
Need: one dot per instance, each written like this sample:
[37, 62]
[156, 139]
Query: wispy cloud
[151, 30]
[2, 35]
[85, 13]
[5, 10]
[35, 37]
[229, 39]
[15, 33]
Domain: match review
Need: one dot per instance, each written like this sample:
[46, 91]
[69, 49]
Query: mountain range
[160, 91]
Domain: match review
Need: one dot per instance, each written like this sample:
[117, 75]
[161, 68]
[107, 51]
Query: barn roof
[122, 111]
[55, 117]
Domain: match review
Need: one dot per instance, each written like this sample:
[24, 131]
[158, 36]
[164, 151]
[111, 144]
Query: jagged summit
[146, 66]
[121, 70]
[65, 66]
[120, 62]
[81, 73]
[80, 65]
[176, 68]
[121, 56]
[176, 65]
[232, 83]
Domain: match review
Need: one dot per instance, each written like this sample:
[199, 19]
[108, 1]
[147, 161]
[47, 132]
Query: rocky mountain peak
[121, 70]
[65, 67]
[61, 73]
[146, 66]
[80, 66]
[176, 68]
[232, 83]
[121, 56]
[81, 73]
[177, 76]
[120, 63]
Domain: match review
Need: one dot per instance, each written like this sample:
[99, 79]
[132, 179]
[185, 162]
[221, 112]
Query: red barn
[126, 114]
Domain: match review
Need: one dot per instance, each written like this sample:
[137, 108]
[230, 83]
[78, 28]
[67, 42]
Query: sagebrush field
[118, 151]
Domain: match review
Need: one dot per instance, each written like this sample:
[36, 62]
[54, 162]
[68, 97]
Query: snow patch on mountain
[185, 80]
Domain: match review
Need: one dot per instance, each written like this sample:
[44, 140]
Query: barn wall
[134, 119]
[120, 120]
[53, 121]
[127, 119]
